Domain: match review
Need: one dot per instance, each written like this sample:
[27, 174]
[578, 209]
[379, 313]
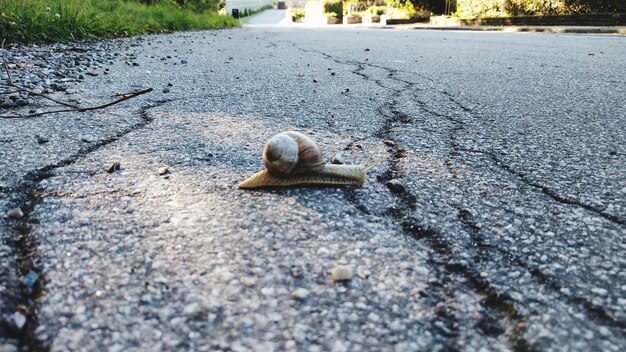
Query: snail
[293, 159]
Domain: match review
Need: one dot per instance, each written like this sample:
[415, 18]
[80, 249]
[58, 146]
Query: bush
[249, 12]
[500, 8]
[596, 6]
[297, 14]
[377, 10]
[412, 7]
[404, 7]
[331, 6]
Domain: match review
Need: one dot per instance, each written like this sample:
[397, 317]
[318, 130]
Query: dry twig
[71, 107]
[83, 109]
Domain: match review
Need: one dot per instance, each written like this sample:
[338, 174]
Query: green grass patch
[60, 20]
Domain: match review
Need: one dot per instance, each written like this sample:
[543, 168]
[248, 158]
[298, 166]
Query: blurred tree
[485, 8]
[437, 7]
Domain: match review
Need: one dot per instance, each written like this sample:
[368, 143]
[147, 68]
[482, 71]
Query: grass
[61, 20]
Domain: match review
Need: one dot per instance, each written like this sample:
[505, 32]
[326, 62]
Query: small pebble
[8, 348]
[166, 90]
[18, 320]
[338, 159]
[341, 273]
[395, 186]
[116, 166]
[389, 142]
[400, 153]
[30, 279]
[163, 170]
[315, 80]
[300, 293]
[41, 140]
[15, 213]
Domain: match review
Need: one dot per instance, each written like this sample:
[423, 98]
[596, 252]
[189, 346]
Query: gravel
[52, 68]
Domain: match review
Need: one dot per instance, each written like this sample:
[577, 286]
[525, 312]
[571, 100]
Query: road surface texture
[496, 221]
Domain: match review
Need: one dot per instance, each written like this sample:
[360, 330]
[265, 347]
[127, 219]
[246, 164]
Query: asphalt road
[497, 220]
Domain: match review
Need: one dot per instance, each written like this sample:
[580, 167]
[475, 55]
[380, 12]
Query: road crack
[465, 217]
[501, 316]
[27, 196]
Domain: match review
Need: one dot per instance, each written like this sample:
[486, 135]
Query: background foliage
[499, 8]
[333, 6]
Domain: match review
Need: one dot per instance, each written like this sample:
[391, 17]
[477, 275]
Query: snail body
[293, 159]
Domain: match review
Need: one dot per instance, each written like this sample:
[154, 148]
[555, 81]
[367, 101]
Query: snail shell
[293, 159]
[291, 153]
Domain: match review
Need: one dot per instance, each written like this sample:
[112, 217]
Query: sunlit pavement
[495, 221]
[270, 18]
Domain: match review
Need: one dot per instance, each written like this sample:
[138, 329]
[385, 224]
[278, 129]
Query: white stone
[19, 320]
[300, 293]
[341, 273]
[15, 213]
[8, 348]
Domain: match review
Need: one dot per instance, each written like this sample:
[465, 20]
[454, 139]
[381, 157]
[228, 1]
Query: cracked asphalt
[497, 220]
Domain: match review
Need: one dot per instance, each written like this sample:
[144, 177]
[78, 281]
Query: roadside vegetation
[246, 14]
[296, 13]
[507, 8]
[406, 9]
[251, 12]
[397, 9]
[60, 20]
